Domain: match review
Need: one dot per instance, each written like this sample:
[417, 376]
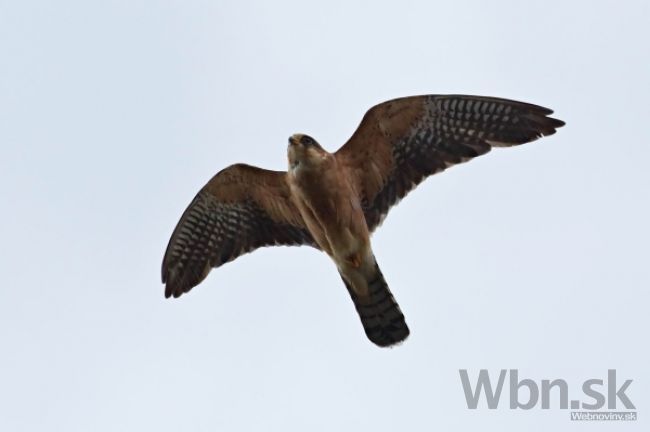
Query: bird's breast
[331, 210]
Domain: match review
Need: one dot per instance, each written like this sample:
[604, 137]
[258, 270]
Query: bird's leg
[354, 260]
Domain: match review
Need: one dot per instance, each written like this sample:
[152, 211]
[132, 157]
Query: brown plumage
[333, 201]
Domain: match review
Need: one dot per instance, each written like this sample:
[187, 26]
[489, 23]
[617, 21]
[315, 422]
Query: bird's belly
[335, 218]
[345, 242]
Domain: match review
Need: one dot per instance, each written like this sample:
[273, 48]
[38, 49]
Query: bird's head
[304, 151]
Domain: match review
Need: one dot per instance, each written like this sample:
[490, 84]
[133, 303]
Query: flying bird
[334, 201]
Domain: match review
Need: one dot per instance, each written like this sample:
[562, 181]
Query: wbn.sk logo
[597, 393]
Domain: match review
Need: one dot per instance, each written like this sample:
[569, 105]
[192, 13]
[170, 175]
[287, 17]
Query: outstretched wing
[240, 209]
[402, 141]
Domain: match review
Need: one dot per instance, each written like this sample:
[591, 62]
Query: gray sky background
[114, 113]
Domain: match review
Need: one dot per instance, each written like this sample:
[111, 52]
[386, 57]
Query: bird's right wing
[401, 142]
[240, 209]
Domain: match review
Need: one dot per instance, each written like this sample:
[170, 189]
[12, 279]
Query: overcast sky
[114, 113]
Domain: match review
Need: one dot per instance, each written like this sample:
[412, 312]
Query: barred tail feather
[380, 314]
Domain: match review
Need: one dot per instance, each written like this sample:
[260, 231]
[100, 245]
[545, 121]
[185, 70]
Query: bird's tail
[380, 314]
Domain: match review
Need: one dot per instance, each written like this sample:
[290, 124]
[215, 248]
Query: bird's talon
[354, 261]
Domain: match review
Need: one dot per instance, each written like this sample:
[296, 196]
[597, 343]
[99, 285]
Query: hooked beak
[294, 139]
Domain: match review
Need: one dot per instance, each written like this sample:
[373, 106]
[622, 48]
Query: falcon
[334, 201]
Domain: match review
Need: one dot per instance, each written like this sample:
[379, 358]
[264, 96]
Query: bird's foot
[354, 260]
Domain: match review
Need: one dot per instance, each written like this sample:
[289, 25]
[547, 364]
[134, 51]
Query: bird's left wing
[401, 142]
[240, 209]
